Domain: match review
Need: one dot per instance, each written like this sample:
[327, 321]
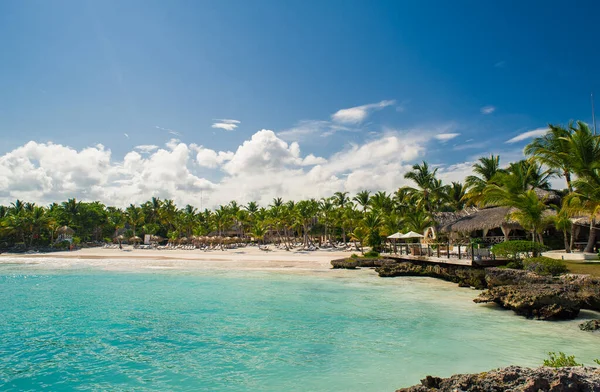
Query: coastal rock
[590, 325]
[464, 276]
[515, 378]
[587, 287]
[354, 262]
[495, 277]
[540, 301]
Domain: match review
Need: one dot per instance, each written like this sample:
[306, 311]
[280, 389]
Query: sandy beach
[248, 258]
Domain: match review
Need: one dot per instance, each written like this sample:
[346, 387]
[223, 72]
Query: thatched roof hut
[65, 230]
[484, 219]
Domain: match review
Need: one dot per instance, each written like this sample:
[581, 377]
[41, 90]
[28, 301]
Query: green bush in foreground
[545, 266]
[517, 250]
[561, 360]
[372, 253]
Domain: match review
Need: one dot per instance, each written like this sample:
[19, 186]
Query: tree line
[571, 152]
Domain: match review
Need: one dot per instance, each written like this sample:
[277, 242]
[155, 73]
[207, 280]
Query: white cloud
[146, 148]
[309, 129]
[528, 135]
[126, 135]
[357, 114]
[226, 124]
[210, 158]
[500, 64]
[488, 109]
[262, 167]
[446, 136]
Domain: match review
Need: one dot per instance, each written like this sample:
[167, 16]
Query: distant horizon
[119, 102]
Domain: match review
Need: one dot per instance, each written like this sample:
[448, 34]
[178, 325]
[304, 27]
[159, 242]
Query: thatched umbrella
[65, 230]
[183, 240]
[135, 238]
[156, 238]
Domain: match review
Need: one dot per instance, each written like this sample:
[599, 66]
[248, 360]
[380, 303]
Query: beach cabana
[492, 224]
[395, 237]
[65, 233]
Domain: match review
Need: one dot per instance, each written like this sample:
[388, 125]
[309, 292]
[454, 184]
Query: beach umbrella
[183, 240]
[65, 230]
[135, 238]
[412, 234]
[156, 238]
[396, 236]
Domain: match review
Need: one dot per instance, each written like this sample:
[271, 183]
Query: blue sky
[124, 74]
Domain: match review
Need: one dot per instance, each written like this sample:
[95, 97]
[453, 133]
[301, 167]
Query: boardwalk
[448, 261]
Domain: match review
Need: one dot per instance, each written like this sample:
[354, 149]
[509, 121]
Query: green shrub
[561, 360]
[354, 256]
[516, 250]
[515, 264]
[372, 253]
[545, 266]
[597, 361]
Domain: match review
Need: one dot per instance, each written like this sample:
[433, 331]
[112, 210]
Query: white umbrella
[412, 234]
[396, 235]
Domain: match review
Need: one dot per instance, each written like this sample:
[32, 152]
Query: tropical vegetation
[571, 152]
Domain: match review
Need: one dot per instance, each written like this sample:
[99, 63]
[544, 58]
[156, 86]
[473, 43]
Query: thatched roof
[65, 230]
[487, 218]
[549, 197]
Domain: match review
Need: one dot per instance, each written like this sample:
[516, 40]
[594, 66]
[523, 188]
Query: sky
[206, 102]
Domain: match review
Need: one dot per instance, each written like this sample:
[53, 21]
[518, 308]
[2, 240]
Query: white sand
[248, 258]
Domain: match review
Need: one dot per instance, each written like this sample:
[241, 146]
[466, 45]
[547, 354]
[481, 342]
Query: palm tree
[327, 211]
[552, 150]
[362, 199]
[135, 217]
[584, 161]
[529, 208]
[484, 170]
[340, 199]
[372, 223]
[562, 222]
[381, 202]
[429, 189]
[457, 196]
[359, 234]
[306, 211]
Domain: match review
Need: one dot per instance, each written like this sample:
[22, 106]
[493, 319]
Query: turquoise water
[214, 331]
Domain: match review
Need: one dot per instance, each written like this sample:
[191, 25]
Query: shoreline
[129, 259]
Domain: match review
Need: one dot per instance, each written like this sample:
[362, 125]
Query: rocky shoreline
[515, 378]
[526, 293]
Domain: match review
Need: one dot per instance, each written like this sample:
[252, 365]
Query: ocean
[93, 330]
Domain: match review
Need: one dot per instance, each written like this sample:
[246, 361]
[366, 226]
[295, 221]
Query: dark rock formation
[541, 301]
[464, 276]
[354, 262]
[517, 379]
[590, 325]
[527, 293]
[495, 277]
[587, 287]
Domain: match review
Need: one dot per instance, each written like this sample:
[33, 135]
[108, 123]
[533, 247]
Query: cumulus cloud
[488, 110]
[262, 167]
[358, 114]
[226, 124]
[528, 135]
[446, 136]
[146, 148]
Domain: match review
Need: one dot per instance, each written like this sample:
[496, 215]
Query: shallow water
[234, 331]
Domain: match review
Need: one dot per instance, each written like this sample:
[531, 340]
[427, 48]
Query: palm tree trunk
[566, 238]
[567, 175]
[574, 234]
[592, 238]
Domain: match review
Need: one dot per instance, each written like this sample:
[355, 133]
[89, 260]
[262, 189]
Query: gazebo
[65, 233]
